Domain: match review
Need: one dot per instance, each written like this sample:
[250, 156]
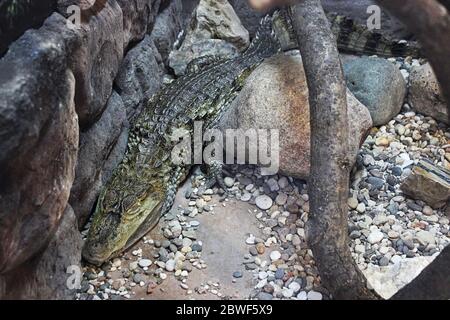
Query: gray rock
[393, 207]
[96, 146]
[397, 171]
[287, 292]
[215, 29]
[38, 141]
[229, 182]
[217, 19]
[237, 274]
[279, 274]
[384, 261]
[376, 183]
[250, 18]
[144, 263]
[96, 52]
[425, 94]
[314, 295]
[170, 265]
[139, 77]
[138, 17]
[264, 296]
[47, 275]
[167, 26]
[190, 234]
[196, 247]
[263, 202]
[139, 277]
[375, 237]
[281, 199]
[425, 237]
[378, 84]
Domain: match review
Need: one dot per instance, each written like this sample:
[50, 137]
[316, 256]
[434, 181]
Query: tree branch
[327, 229]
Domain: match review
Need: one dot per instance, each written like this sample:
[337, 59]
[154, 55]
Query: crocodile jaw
[110, 232]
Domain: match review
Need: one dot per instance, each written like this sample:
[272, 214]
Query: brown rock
[38, 142]
[428, 183]
[425, 94]
[138, 17]
[260, 248]
[275, 96]
[97, 48]
[48, 275]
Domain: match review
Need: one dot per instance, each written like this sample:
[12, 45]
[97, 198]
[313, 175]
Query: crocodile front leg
[214, 175]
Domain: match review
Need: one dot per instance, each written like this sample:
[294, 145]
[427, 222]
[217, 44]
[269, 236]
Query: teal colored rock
[378, 84]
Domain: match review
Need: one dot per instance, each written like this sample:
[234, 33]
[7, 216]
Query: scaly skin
[144, 185]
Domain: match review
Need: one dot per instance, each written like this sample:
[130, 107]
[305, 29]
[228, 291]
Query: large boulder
[168, 25]
[47, 276]
[97, 48]
[378, 84]
[275, 96]
[140, 76]
[38, 141]
[425, 94]
[96, 145]
[215, 29]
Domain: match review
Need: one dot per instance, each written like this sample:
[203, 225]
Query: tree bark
[327, 229]
[433, 283]
[430, 22]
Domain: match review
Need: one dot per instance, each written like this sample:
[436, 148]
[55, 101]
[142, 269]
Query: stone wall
[68, 95]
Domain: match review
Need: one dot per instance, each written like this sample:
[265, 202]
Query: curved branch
[327, 230]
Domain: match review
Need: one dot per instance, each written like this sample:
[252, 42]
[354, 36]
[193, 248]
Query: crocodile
[144, 185]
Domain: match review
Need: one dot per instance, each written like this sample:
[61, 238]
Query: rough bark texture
[429, 20]
[432, 284]
[329, 180]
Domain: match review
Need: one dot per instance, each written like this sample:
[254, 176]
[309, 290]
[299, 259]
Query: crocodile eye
[127, 202]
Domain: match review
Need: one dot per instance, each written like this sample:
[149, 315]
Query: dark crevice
[17, 16]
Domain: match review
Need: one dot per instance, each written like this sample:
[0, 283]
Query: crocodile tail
[358, 39]
[265, 43]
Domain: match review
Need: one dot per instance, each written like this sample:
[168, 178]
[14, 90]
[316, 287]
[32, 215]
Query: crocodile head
[119, 221]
